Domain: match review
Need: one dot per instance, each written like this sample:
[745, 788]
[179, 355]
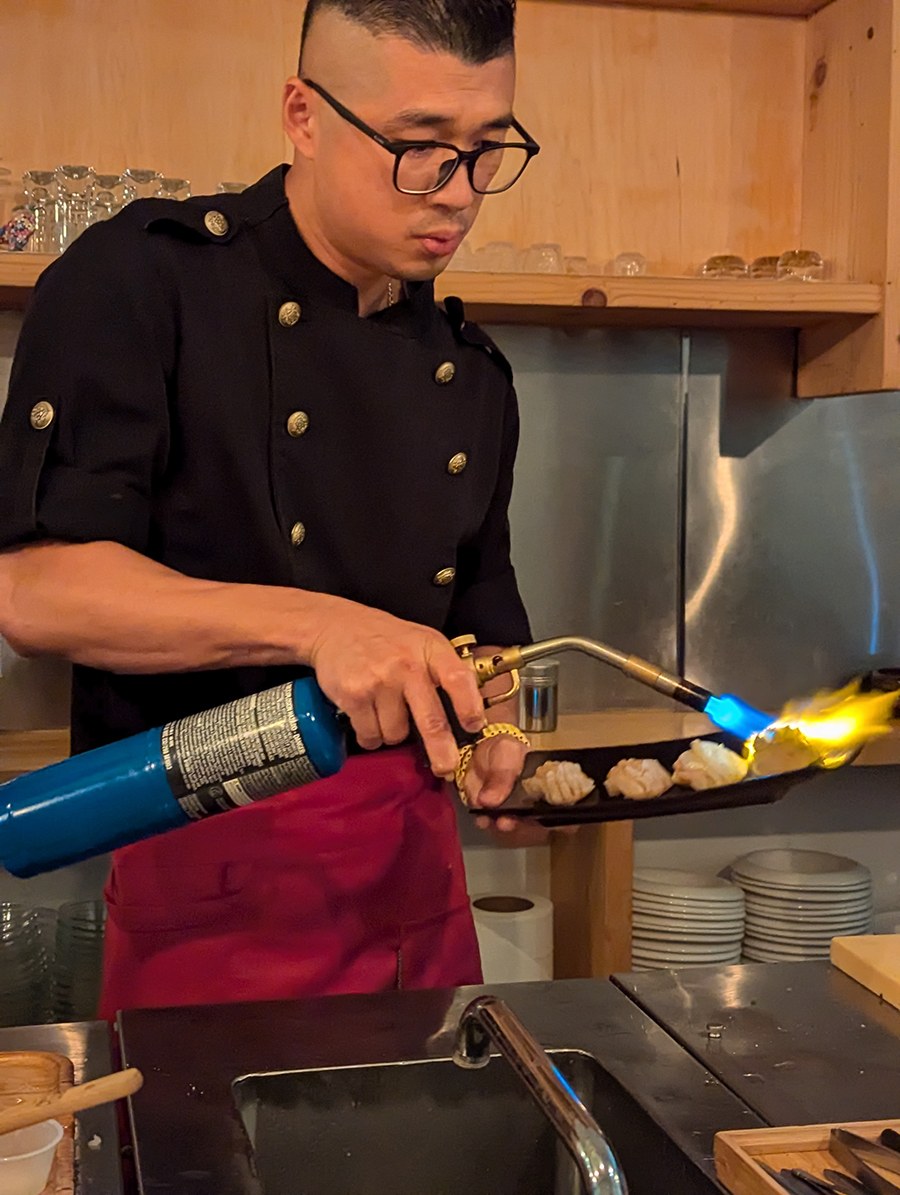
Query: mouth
[442, 244]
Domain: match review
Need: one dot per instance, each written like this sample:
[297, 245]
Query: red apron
[353, 884]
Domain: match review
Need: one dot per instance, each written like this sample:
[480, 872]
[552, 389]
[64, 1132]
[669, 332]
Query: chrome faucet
[488, 1020]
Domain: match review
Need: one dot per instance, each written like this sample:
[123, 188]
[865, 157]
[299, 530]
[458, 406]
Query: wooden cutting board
[29, 1077]
[872, 960]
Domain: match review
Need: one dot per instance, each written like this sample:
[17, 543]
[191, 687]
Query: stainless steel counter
[801, 1043]
[87, 1044]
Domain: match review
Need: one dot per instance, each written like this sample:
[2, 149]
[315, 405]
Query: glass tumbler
[231, 188]
[141, 184]
[724, 265]
[543, 259]
[78, 963]
[498, 257]
[7, 199]
[801, 265]
[41, 196]
[174, 188]
[24, 986]
[764, 267]
[629, 265]
[76, 197]
[110, 196]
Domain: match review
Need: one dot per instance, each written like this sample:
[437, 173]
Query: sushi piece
[709, 765]
[638, 779]
[559, 782]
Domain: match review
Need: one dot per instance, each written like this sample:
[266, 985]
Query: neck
[372, 286]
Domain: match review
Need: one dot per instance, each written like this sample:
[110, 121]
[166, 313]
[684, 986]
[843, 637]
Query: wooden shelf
[574, 300]
[27, 750]
[658, 302]
[759, 8]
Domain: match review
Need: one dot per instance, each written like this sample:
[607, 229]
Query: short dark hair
[477, 31]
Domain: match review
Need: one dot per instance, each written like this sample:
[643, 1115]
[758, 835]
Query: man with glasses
[247, 444]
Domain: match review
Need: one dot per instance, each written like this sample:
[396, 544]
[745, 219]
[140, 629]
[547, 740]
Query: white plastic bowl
[26, 1157]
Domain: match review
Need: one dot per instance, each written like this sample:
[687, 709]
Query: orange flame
[826, 730]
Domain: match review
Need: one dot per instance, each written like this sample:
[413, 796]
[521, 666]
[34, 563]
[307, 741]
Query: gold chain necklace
[390, 297]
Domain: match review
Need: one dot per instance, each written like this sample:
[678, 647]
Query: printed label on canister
[236, 754]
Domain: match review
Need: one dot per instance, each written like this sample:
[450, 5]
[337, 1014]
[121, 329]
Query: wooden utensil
[86, 1095]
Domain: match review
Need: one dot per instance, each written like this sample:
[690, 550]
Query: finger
[506, 825]
[505, 760]
[393, 716]
[428, 715]
[457, 679]
[364, 721]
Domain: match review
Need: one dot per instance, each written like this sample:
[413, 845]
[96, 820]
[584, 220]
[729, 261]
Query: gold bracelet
[491, 731]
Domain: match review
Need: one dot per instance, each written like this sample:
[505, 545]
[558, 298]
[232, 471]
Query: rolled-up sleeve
[85, 428]
[486, 600]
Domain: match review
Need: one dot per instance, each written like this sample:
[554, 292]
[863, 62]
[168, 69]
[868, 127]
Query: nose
[457, 195]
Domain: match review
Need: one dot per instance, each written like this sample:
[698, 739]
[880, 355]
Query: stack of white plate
[684, 919]
[797, 901]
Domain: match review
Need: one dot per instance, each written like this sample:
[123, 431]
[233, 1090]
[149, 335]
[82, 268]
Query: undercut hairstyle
[475, 31]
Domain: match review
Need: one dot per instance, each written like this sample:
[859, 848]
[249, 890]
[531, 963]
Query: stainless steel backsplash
[673, 500]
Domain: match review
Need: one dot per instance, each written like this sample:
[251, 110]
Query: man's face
[406, 94]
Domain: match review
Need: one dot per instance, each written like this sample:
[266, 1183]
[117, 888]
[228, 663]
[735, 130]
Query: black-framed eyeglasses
[423, 167]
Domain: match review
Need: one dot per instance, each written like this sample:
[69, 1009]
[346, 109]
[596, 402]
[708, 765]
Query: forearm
[106, 606]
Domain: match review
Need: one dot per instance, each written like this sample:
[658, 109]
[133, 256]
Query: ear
[298, 116]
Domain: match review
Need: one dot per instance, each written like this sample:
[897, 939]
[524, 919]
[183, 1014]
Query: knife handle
[890, 1138]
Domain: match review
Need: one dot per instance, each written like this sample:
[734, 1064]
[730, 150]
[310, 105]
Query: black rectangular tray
[598, 807]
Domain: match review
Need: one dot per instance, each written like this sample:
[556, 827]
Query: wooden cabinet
[678, 130]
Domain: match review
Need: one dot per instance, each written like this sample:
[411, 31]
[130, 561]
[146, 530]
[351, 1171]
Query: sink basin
[431, 1128]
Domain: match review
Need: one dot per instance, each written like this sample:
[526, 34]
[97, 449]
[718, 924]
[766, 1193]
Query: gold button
[445, 373]
[298, 534]
[41, 416]
[216, 223]
[289, 314]
[298, 423]
[445, 577]
[457, 463]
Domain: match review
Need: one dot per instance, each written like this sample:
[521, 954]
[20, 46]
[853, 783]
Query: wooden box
[738, 1153]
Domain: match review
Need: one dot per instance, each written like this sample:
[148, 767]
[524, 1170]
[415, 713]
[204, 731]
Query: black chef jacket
[192, 382]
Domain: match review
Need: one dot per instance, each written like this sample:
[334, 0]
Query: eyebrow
[417, 118]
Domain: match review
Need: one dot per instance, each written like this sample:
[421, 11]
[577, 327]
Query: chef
[242, 443]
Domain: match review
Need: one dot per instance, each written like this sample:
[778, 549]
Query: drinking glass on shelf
[801, 265]
[7, 197]
[463, 258]
[231, 188]
[724, 265]
[174, 188]
[142, 184]
[576, 265]
[498, 257]
[41, 196]
[543, 259]
[110, 196]
[629, 265]
[764, 267]
[76, 197]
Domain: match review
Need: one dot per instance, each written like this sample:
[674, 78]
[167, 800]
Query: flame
[826, 730]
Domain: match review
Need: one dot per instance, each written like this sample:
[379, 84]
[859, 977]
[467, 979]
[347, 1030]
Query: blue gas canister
[208, 763]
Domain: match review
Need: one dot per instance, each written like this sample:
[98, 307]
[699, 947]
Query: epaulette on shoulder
[471, 334]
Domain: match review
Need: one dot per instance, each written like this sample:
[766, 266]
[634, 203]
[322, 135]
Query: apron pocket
[141, 899]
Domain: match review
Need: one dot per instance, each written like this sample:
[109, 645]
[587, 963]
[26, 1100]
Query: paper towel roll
[515, 936]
